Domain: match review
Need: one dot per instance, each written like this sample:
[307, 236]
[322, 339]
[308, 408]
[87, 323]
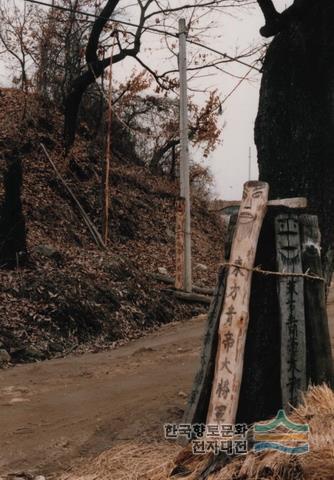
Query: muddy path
[59, 410]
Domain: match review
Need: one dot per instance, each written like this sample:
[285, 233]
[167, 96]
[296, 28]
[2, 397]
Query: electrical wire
[236, 87]
[150, 29]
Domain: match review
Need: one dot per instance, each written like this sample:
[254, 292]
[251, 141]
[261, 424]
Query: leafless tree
[17, 37]
[62, 38]
[150, 13]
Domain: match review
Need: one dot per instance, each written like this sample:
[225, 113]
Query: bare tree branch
[126, 48]
[276, 22]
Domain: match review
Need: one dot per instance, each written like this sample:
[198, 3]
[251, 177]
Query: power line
[150, 29]
[236, 87]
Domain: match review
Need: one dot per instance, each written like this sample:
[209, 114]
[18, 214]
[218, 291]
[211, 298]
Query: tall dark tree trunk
[13, 248]
[294, 129]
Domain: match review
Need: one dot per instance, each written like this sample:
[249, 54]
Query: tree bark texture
[13, 248]
[294, 130]
[319, 354]
[260, 395]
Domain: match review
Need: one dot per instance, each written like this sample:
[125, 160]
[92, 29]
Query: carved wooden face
[288, 239]
[253, 196]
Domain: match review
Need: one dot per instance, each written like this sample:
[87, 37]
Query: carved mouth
[246, 217]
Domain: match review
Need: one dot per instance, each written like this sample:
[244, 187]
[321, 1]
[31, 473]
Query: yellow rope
[310, 276]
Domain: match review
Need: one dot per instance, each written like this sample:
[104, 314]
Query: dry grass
[155, 461]
[128, 461]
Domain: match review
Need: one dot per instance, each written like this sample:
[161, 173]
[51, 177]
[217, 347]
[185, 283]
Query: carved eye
[257, 194]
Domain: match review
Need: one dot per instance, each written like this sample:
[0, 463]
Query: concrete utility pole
[184, 155]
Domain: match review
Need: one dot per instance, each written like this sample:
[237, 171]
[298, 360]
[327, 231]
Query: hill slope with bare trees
[68, 294]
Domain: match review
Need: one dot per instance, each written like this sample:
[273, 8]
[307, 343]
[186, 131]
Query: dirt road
[59, 410]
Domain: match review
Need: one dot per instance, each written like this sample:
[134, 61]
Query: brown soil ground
[60, 410]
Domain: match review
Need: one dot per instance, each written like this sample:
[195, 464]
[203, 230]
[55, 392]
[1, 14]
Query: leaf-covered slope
[72, 295]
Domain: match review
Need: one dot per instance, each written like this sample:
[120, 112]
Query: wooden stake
[184, 155]
[91, 227]
[179, 247]
[106, 164]
[292, 313]
[234, 318]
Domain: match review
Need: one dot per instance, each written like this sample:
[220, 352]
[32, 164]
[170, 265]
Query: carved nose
[248, 203]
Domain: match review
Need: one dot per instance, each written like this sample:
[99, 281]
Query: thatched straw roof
[157, 461]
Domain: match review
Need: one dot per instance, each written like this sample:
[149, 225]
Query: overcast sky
[237, 29]
[230, 162]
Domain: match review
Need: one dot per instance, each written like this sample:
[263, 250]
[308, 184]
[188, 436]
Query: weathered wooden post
[106, 163]
[179, 244]
[287, 344]
[292, 312]
[235, 314]
[184, 158]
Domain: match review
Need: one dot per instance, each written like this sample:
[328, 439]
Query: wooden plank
[203, 290]
[291, 305]
[179, 247]
[235, 313]
[106, 163]
[198, 403]
[294, 203]
[189, 297]
[171, 281]
[319, 355]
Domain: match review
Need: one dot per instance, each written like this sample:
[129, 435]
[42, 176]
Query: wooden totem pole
[267, 336]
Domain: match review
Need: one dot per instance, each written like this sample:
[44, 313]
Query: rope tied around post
[258, 269]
